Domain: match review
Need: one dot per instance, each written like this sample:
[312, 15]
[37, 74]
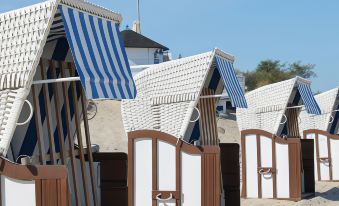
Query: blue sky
[251, 30]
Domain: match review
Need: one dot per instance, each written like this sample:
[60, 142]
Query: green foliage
[272, 71]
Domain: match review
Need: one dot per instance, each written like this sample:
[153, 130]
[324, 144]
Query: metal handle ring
[167, 199]
[30, 115]
[331, 119]
[285, 119]
[198, 115]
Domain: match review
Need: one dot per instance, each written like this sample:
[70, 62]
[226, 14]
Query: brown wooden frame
[210, 167]
[294, 159]
[329, 136]
[89, 187]
[50, 181]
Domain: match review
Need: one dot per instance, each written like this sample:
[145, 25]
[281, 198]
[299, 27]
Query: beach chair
[54, 56]
[323, 129]
[276, 162]
[173, 151]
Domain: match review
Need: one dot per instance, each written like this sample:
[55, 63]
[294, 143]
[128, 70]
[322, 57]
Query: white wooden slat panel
[17, 192]
[266, 161]
[323, 153]
[335, 158]
[312, 136]
[282, 162]
[251, 166]
[191, 179]
[166, 170]
[143, 172]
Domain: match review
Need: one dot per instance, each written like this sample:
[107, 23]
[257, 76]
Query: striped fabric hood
[329, 119]
[92, 35]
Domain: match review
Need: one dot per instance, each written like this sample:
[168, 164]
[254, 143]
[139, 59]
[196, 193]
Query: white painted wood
[251, 166]
[190, 179]
[266, 161]
[17, 192]
[323, 153]
[335, 158]
[143, 172]
[312, 136]
[166, 170]
[283, 176]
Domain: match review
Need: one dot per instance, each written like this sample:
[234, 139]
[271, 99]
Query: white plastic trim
[198, 115]
[30, 115]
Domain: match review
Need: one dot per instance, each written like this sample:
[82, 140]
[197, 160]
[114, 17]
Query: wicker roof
[23, 35]
[267, 105]
[168, 93]
[328, 102]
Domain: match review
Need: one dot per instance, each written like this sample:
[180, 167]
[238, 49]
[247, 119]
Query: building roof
[135, 40]
[328, 102]
[169, 92]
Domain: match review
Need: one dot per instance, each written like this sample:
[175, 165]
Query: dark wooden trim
[243, 165]
[70, 140]
[89, 148]
[48, 114]
[294, 155]
[79, 138]
[259, 165]
[31, 172]
[154, 169]
[57, 113]
[317, 155]
[38, 126]
[274, 165]
[322, 132]
[131, 168]
[191, 149]
[329, 158]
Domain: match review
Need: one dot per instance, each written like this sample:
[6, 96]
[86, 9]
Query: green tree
[272, 71]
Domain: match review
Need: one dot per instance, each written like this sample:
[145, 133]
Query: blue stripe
[90, 50]
[104, 63]
[125, 59]
[96, 76]
[110, 32]
[82, 57]
[116, 75]
[334, 125]
[231, 82]
[310, 103]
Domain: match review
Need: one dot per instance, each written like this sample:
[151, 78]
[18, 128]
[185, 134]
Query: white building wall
[140, 56]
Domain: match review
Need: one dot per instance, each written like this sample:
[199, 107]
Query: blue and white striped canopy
[231, 82]
[310, 103]
[99, 55]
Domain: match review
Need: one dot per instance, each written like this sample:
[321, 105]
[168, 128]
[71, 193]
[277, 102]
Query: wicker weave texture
[327, 102]
[22, 33]
[267, 105]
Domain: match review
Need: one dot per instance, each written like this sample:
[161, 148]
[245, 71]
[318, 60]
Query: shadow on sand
[332, 194]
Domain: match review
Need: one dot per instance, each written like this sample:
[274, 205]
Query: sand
[107, 131]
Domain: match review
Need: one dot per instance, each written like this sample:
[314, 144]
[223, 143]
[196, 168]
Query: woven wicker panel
[168, 93]
[11, 102]
[22, 36]
[327, 103]
[267, 105]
